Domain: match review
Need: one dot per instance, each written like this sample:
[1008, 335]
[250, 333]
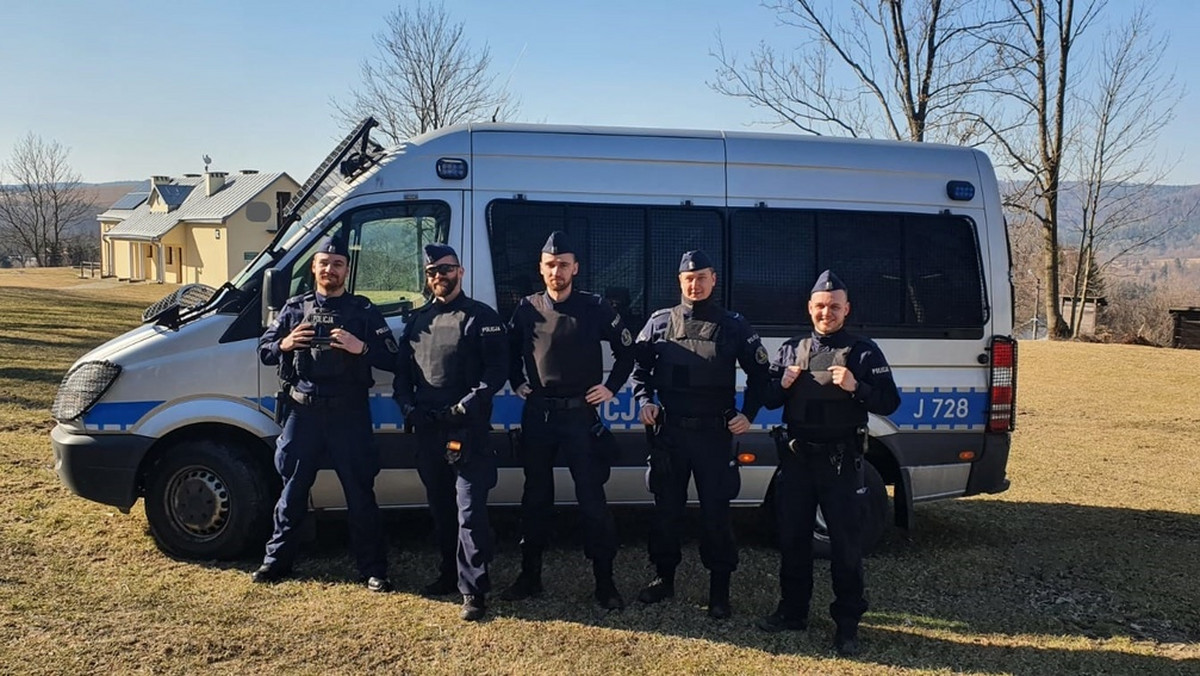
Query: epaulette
[660, 313]
[300, 298]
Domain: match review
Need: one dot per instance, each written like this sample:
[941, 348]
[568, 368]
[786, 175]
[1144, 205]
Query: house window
[170, 250]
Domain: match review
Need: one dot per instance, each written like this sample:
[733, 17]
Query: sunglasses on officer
[444, 270]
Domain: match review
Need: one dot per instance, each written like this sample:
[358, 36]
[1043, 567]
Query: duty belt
[706, 422]
[315, 401]
[562, 403]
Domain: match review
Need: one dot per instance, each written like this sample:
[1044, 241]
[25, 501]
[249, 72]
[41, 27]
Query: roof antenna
[207, 161]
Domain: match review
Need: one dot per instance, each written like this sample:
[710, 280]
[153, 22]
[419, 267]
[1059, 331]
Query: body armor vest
[437, 356]
[321, 363]
[816, 406]
[690, 358]
[566, 351]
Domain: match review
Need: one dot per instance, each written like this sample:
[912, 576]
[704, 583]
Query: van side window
[910, 275]
[386, 252]
[630, 254]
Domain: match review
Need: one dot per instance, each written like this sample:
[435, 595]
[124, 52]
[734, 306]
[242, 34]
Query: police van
[179, 411]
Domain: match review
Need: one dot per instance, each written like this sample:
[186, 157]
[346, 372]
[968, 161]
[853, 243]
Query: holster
[456, 446]
[516, 442]
[659, 459]
[779, 435]
[283, 402]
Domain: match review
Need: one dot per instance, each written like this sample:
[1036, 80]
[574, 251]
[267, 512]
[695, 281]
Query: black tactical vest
[566, 350]
[690, 358]
[815, 406]
[437, 355]
[321, 363]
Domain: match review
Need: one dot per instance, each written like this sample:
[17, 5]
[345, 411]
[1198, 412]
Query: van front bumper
[102, 468]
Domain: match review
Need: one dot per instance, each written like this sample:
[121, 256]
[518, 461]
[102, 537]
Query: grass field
[1088, 564]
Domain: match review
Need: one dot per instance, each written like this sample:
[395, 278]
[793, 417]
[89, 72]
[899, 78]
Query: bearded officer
[558, 368]
[325, 343]
[453, 359]
[686, 382]
[827, 383]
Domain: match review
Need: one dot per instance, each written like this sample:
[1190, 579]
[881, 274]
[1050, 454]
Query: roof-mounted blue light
[452, 168]
[960, 191]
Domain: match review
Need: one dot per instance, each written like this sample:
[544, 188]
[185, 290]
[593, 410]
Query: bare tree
[915, 69]
[425, 75]
[1134, 100]
[42, 200]
[1041, 57]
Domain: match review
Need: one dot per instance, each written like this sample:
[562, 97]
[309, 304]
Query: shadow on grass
[980, 574]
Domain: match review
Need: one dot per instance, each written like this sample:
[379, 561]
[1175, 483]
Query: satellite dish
[207, 161]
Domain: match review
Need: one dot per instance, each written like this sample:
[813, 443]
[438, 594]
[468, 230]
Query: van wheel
[876, 510]
[208, 499]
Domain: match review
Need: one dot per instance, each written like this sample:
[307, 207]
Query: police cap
[828, 282]
[436, 252]
[333, 245]
[558, 243]
[694, 260]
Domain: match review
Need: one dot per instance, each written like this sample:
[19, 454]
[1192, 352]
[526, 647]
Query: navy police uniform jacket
[814, 408]
[556, 345]
[687, 355]
[321, 370]
[452, 353]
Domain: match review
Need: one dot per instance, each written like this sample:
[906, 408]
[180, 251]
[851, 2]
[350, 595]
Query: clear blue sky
[137, 87]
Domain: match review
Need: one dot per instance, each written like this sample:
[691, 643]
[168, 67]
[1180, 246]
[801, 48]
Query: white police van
[178, 411]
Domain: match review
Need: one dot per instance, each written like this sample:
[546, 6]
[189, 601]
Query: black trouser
[707, 455]
[564, 433]
[318, 435]
[457, 496]
[807, 479]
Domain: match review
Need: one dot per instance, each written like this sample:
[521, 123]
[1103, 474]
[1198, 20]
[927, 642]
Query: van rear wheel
[208, 499]
[875, 515]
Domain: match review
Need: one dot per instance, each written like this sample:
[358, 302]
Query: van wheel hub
[198, 502]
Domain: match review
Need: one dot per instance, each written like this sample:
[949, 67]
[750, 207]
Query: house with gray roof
[198, 228]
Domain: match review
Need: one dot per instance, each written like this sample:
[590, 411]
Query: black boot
[446, 582]
[783, 619]
[474, 607]
[529, 582]
[606, 590]
[661, 587]
[718, 596]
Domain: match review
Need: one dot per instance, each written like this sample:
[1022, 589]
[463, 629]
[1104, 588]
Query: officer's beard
[443, 288]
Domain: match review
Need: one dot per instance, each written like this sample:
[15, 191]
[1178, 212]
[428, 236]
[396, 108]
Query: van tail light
[1002, 384]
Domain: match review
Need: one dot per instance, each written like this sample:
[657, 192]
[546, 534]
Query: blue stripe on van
[117, 415]
[941, 408]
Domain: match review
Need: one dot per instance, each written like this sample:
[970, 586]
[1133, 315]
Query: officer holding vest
[827, 383]
[325, 343]
[687, 359]
[558, 368]
[453, 359]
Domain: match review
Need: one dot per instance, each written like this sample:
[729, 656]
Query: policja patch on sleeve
[626, 337]
[760, 355]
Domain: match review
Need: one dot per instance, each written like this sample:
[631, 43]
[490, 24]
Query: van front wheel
[207, 499]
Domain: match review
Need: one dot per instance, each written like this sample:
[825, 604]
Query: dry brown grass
[1085, 566]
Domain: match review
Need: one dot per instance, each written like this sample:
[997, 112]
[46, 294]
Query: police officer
[558, 368]
[827, 383]
[686, 358]
[453, 359]
[325, 343]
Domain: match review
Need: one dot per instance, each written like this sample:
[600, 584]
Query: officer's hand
[739, 424]
[523, 390]
[300, 336]
[790, 374]
[843, 378]
[344, 340]
[598, 394]
[649, 414]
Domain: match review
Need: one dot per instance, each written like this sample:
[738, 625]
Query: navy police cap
[828, 282]
[558, 243]
[436, 252]
[334, 245]
[694, 260]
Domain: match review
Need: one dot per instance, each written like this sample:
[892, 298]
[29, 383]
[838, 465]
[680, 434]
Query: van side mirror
[275, 287]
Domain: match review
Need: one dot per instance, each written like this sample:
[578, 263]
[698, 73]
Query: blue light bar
[452, 168]
[960, 191]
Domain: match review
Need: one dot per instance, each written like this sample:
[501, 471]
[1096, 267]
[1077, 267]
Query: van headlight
[82, 387]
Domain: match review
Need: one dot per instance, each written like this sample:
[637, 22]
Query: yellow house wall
[205, 261]
[246, 237]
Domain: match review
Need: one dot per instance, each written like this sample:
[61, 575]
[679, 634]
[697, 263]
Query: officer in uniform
[826, 382]
[453, 359]
[558, 369]
[325, 343]
[687, 357]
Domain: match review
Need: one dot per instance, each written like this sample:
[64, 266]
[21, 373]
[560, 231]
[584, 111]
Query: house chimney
[249, 172]
[213, 182]
[159, 180]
